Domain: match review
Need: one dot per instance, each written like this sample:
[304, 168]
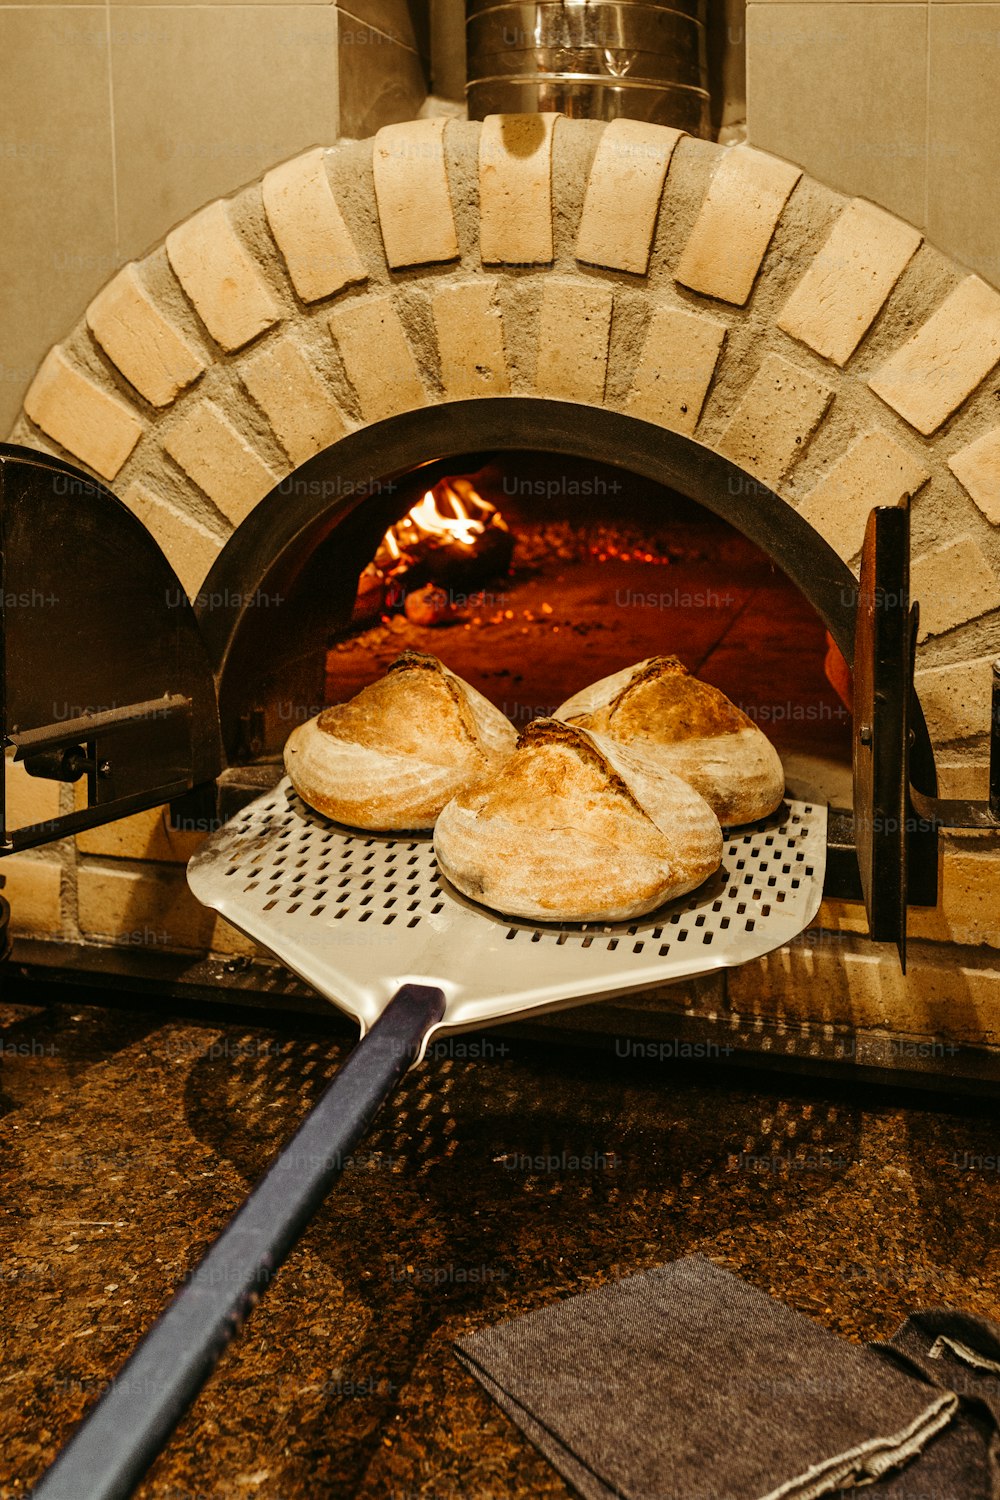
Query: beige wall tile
[402, 22]
[963, 213]
[57, 244]
[381, 83]
[841, 89]
[208, 97]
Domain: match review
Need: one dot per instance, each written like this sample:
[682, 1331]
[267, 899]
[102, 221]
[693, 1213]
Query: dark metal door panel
[103, 672]
[883, 676]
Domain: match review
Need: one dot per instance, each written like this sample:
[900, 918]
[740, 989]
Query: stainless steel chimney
[595, 60]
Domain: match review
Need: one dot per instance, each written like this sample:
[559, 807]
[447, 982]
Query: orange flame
[452, 511]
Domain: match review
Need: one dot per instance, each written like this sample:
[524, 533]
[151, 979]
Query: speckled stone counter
[505, 1175]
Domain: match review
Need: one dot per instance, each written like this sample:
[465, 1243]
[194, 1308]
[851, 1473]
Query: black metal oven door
[883, 685]
[103, 672]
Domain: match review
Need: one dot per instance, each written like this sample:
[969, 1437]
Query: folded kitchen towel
[687, 1383]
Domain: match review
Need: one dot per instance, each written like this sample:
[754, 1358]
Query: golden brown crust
[663, 693]
[693, 729]
[576, 828]
[393, 756]
[392, 714]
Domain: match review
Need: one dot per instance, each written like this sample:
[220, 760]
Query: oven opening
[531, 575]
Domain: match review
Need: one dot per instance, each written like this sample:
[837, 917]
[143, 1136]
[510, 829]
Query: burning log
[450, 542]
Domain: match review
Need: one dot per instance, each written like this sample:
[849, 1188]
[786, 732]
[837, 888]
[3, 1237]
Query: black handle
[119, 1438]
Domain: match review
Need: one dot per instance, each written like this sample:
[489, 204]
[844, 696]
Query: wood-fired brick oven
[708, 319]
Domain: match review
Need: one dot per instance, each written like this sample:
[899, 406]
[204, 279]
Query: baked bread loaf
[577, 828]
[692, 728]
[392, 756]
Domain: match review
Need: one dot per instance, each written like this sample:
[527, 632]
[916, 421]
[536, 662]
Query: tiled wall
[894, 101]
[118, 120]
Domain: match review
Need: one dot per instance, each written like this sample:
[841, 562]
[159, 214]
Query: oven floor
[537, 639]
[128, 1140]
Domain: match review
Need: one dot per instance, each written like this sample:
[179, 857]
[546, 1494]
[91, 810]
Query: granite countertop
[504, 1176]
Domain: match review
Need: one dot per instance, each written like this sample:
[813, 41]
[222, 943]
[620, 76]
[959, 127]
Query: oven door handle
[125, 1430]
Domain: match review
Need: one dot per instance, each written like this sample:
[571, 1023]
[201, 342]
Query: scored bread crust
[392, 756]
[692, 728]
[576, 828]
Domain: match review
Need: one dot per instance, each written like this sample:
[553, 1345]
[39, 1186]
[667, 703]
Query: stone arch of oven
[813, 342]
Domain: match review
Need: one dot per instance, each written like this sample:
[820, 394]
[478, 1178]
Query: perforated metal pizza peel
[359, 915]
[371, 924]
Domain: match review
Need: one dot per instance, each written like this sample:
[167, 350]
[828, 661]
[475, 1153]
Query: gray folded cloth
[961, 1353]
[687, 1383]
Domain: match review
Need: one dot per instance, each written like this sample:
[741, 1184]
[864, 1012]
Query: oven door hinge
[132, 757]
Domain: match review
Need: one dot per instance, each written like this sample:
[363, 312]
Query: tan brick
[144, 908]
[967, 908]
[775, 418]
[731, 234]
[977, 468]
[956, 698]
[30, 800]
[846, 286]
[470, 339]
[837, 979]
[623, 195]
[970, 895]
[145, 835]
[137, 336]
[412, 193]
[875, 470]
[98, 428]
[515, 189]
[219, 459]
[966, 779]
[282, 380]
[229, 941]
[189, 547]
[33, 889]
[309, 228]
[574, 330]
[221, 277]
[954, 583]
[935, 370]
[675, 368]
[377, 357]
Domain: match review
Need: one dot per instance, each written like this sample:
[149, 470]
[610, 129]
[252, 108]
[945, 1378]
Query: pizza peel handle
[119, 1438]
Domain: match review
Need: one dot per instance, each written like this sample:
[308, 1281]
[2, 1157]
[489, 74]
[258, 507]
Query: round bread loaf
[694, 731]
[392, 756]
[576, 828]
